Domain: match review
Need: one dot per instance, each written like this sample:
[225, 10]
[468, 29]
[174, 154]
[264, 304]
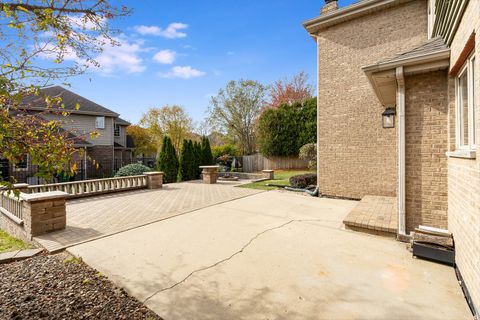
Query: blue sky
[181, 52]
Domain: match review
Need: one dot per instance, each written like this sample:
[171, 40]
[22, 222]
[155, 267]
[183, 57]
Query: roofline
[413, 60]
[348, 13]
[93, 113]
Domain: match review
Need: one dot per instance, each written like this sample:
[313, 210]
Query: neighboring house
[103, 154]
[415, 59]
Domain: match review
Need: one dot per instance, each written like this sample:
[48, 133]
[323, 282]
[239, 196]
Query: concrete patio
[273, 255]
[95, 217]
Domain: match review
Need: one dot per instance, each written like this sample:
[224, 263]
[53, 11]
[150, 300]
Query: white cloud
[87, 23]
[123, 57]
[165, 56]
[171, 32]
[185, 72]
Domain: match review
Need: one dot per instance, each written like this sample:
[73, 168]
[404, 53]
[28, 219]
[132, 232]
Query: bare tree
[235, 109]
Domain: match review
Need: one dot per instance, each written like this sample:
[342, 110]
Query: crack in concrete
[232, 255]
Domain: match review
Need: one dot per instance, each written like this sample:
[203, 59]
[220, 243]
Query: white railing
[11, 206]
[91, 187]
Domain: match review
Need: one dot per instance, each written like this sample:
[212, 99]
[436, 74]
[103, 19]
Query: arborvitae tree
[207, 157]
[198, 158]
[168, 161]
[183, 173]
[192, 164]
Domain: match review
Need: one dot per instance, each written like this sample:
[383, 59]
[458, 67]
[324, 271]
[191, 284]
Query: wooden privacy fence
[258, 162]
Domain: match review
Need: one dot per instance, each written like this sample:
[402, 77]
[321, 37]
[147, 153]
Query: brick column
[154, 179]
[210, 174]
[269, 174]
[44, 212]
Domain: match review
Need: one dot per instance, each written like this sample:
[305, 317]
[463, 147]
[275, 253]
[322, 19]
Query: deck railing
[11, 206]
[91, 187]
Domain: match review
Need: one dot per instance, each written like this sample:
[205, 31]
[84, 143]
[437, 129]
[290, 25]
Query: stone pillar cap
[153, 173]
[268, 170]
[209, 167]
[43, 196]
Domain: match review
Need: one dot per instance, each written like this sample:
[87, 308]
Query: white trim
[464, 154]
[459, 115]
[401, 150]
[318, 114]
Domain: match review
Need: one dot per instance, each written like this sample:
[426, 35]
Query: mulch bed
[62, 287]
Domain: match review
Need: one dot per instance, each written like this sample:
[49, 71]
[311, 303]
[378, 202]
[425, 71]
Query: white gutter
[401, 150]
[318, 114]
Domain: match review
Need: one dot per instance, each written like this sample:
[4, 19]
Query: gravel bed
[62, 287]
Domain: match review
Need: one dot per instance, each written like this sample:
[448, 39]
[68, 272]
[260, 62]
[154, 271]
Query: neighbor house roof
[69, 99]
[122, 122]
[347, 13]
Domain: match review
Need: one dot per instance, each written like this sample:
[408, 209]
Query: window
[100, 123]
[116, 130]
[466, 106]
[22, 164]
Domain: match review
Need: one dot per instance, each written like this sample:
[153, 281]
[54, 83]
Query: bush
[134, 169]
[225, 150]
[308, 153]
[188, 162]
[282, 131]
[168, 161]
[198, 159]
[303, 180]
[207, 157]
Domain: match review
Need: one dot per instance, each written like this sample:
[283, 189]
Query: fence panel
[257, 162]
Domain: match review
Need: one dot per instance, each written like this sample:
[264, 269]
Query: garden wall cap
[43, 195]
[209, 167]
[268, 170]
[153, 173]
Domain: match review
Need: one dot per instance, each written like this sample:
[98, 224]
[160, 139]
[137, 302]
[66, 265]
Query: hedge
[282, 131]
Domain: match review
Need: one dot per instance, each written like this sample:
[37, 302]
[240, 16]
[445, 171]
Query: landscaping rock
[62, 287]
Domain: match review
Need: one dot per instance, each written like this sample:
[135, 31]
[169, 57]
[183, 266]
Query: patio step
[374, 215]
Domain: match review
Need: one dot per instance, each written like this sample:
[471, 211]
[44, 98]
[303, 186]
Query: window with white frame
[22, 164]
[100, 123]
[465, 125]
[116, 130]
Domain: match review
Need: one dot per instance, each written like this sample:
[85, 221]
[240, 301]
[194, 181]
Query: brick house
[412, 62]
[102, 155]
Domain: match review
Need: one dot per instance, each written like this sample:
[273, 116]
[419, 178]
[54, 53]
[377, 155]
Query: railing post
[44, 212]
[154, 179]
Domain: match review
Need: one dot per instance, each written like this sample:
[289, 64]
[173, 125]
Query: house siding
[122, 139]
[83, 125]
[464, 174]
[357, 156]
[426, 144]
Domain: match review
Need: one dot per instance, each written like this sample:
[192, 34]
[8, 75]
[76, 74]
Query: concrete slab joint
[44, 212]
[154, 179]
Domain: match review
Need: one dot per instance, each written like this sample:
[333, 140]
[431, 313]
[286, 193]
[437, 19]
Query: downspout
[318, 115]
[401, 151]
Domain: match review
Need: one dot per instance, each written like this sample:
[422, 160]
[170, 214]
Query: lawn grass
[8, 243]
[281, 178]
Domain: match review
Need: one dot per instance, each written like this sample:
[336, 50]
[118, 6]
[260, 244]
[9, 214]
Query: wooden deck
[95, 217]
[374, 215]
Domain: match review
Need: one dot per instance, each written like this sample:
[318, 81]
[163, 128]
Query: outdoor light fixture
[388, 117]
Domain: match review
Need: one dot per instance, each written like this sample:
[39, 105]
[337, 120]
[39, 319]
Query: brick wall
[464, 174]
[426, 142]
[101, 153]
[358, 156]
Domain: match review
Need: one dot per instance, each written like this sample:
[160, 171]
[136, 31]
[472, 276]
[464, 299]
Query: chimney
[330, 5]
